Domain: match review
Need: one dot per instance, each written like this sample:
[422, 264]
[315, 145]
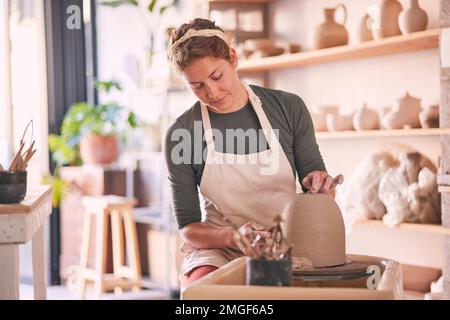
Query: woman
[245, 185]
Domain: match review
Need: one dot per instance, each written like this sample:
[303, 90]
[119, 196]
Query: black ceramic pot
[261, 272]
[13, 186]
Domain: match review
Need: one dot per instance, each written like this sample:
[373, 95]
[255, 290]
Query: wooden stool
[123, 277]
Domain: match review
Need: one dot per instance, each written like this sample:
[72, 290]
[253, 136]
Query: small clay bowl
[13, 186]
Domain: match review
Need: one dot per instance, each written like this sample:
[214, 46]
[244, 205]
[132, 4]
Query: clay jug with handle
[330, 33]
[386, 24]
[413, 19]
[365, 33]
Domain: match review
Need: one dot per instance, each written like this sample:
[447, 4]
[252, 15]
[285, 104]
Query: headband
[199, 33]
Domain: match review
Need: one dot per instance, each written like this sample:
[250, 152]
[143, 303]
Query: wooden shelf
[427, 39]
[444, 189]
[419, 227]
[240, 1]
[409, 243]
[381, 133]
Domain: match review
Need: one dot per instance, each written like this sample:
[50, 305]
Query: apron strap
[207, 128]
[257, 106]
[265, 124]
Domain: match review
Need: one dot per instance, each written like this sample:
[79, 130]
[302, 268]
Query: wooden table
[20, 223]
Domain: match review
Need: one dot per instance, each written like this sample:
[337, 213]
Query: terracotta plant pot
[387, 22]
[96, 149]
[429, 117]
[413, 19]
[330, 33]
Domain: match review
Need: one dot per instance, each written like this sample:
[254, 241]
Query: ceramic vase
[429, 117]
[339, 122]
[366, 119]
[331, 33]
[319, 117]
[404, 114]
[413, 19]
[386, 24]
[365, 34]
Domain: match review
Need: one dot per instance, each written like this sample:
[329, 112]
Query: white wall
[5, 110]
[123, 40]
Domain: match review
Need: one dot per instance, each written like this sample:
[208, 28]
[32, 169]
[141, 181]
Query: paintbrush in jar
[27, 157]
[17, 160]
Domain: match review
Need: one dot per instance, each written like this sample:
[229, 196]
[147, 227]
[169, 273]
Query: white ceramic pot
[404, 114]
[366, 119]
[338, 122]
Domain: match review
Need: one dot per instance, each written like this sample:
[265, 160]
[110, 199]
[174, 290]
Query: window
[23, 82]
[5, 105]
[23, 92]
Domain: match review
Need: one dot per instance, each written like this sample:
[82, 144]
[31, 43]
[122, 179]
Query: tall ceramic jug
[413, 19]
[365, 33]
[387, 20]
[330, 33]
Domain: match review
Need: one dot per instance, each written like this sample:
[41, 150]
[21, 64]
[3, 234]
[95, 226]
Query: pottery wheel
[351, 268]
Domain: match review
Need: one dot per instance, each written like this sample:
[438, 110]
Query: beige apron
[242, 188]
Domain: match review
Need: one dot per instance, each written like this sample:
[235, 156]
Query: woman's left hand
[322, 182]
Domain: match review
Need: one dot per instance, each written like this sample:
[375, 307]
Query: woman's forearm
[202, 236]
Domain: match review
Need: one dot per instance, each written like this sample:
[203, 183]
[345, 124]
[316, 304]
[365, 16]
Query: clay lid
[313, 224]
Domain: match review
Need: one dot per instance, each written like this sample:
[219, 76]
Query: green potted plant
[89, 134]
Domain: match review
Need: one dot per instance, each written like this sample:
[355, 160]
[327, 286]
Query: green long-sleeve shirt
[285, 111]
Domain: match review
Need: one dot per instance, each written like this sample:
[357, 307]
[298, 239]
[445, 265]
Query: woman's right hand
[251, 231]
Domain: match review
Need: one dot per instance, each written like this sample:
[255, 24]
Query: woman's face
[215, 82]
